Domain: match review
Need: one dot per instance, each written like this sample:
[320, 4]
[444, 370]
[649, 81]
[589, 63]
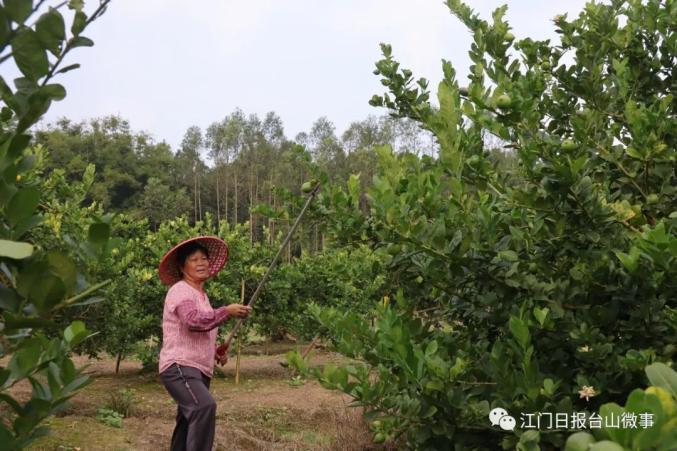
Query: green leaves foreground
[533, 260]
[36, 283]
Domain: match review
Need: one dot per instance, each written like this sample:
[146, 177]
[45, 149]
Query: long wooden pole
[239, 343]
[263, 281]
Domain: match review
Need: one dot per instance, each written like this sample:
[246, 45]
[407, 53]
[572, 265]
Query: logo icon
[500, 417]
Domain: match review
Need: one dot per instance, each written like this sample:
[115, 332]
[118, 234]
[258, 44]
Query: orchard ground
[268, 409]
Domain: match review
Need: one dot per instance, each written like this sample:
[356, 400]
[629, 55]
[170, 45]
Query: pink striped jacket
[189, 329]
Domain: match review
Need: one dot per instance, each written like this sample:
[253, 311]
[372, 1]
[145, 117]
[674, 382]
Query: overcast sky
[168, 64]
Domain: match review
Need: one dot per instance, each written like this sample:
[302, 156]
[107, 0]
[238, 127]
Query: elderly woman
[189, 329]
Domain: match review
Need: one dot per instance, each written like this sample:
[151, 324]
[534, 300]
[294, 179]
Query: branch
[83, 294]
[99, 11]
[13, 32]
[623, 170]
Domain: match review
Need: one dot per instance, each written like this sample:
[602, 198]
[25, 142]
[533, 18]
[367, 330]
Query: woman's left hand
[238, 310]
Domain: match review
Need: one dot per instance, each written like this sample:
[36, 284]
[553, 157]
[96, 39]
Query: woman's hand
[238, 310]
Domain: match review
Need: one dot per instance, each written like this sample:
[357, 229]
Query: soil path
[266, 411]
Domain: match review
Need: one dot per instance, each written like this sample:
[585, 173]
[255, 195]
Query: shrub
[518, 289]
[109, 417]
[122, 401]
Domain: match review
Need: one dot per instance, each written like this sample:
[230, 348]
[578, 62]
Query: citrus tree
[37, 282]
[546, 288]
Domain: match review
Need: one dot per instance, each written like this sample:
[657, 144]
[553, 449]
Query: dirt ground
[265, 411]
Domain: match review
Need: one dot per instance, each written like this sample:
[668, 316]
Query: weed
[122, 402]
[109, 417]
[296, 381]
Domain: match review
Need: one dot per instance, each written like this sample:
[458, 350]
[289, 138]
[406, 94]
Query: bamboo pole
[239, 342]
[263, 281]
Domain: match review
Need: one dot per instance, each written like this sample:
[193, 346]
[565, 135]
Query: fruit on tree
[509, 37]
[652, 199]
[569, 145]
[379, 438]
[503, 101]
[307, 187]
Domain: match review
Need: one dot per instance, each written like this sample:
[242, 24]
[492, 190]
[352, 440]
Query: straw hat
[218, 256]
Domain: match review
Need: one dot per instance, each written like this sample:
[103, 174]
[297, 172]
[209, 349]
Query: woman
[189, 329]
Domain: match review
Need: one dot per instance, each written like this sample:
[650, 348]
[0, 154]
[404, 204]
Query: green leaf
[631, 260]
[81, 41]
[508, 256]
[68, 68]
[663, 376]
[79, 22]
[431, 348]
[24, 225]
[12, 402]
[38, 104]
[19, 143]
[88, 301]
[612, 412]
[75, 333]
[541, 314]
[23, 205]
[99, 232]
[54, 91]
[354, 188]
[632, 152]
[37, 283]
[29, 54]
[25, 359]
[7, 438]
[15, 249]
[76, 384]
[520, 331]
[549, 386]
[62, 266]
[434, 385]
[76, 4]
[4, 25]
[51, 31]
[9, 300]
[18, 10]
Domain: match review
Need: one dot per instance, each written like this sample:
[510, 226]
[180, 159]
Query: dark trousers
[196, 413]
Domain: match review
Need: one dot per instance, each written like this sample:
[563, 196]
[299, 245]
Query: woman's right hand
[238, 310]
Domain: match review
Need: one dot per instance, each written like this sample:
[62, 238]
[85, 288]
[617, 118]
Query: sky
[166, 65]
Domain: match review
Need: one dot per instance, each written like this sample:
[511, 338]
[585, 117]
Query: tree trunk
[199, 198]
[315, 239]
[256, 200]
[288, 245]
[117, 363]
[218, 206]
[194, 196]
[251, 205]
[225, 213]
[271, 221]
[236, 219]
